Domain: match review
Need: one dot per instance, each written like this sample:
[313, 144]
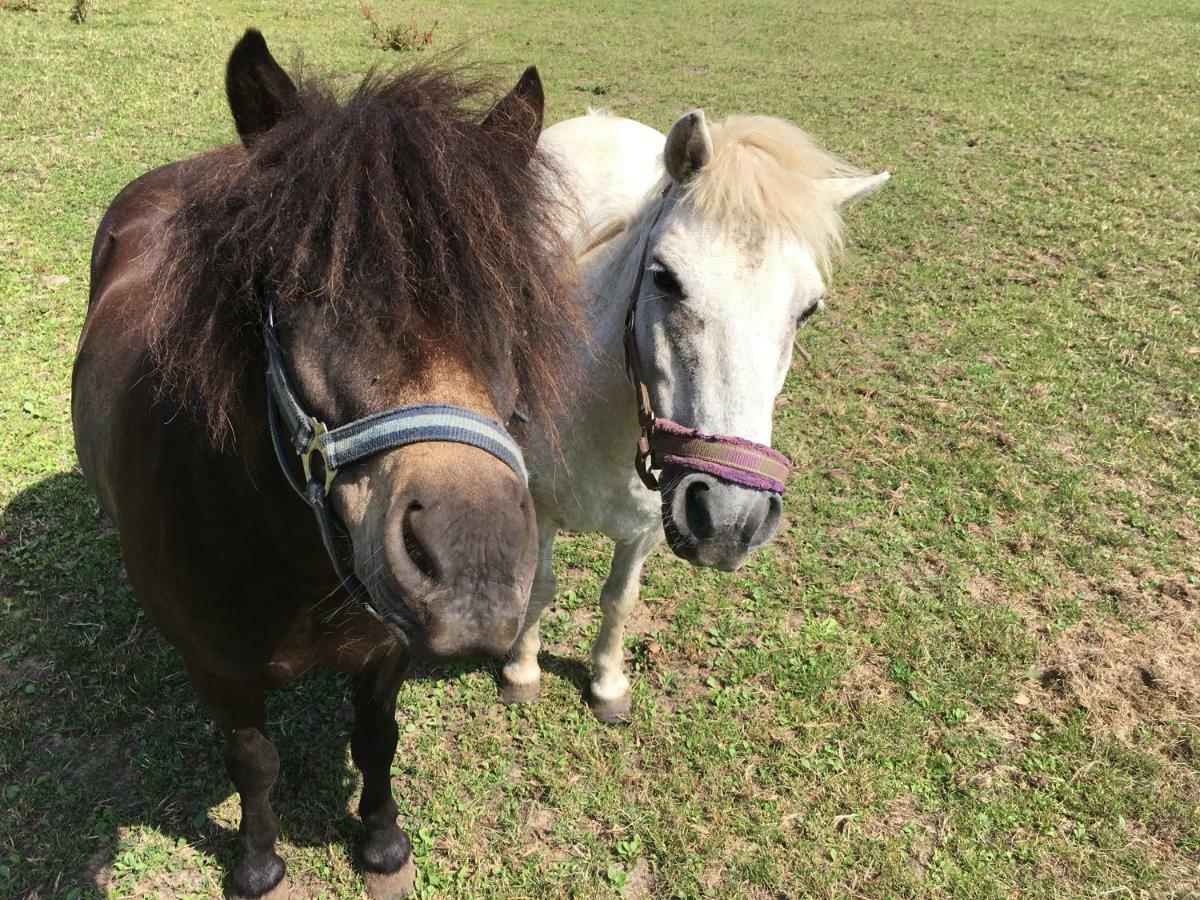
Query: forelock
[764, 179]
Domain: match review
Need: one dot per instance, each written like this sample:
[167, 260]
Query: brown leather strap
[642, 461]
[663, 442]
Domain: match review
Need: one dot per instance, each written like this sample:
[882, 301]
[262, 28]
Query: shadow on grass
[100, 731]
[573, 671]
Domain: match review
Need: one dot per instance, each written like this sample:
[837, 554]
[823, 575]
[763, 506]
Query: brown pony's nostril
[413, 547]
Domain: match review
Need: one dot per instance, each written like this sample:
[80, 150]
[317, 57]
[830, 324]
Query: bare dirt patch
[1136, 668]
[649, 618]
[537, 836]
[986, 592]
[539, 822]
[639, 881]
[99, 872]
[867, 683]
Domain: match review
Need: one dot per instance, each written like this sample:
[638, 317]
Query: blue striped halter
[357, 440]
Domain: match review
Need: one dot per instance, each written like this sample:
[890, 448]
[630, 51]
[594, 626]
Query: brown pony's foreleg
[252, 763]
[387, 852]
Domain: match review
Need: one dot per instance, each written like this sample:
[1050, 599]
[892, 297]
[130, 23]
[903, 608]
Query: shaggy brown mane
[395, 207]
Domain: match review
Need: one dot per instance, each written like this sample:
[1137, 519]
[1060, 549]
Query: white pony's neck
[590, 487]
[610, 252]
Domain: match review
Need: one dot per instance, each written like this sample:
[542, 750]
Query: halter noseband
[357, 440]
[664, 442]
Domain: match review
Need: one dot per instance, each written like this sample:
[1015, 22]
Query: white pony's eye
[812, 308]
[664, 279]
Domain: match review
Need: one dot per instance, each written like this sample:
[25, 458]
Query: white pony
[733, 243]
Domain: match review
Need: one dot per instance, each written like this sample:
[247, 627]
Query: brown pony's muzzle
[460, 554]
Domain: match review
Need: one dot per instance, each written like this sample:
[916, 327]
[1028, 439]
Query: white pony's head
[735, 265]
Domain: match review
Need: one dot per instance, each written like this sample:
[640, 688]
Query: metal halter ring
[314, 446]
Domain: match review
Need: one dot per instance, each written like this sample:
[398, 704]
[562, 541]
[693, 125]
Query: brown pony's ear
[259, 91]
[519, 112]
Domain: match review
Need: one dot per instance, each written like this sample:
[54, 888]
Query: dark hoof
[611, 712]
[394, 885]
[385, 851]
[514, 694]
[260, 875]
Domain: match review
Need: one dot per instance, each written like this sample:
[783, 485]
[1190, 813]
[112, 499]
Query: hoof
[260, 878]
[386, 850]
[515, 694]
[611, 712]
[394, 885]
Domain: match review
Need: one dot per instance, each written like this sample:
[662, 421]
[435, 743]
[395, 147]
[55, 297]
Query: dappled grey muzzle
[712, 522]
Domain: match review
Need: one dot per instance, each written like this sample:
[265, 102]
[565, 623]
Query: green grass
[966, 666]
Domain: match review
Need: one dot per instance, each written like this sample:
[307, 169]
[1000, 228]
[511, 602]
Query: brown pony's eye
[664, 280]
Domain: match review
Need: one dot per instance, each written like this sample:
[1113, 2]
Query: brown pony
[403, 244]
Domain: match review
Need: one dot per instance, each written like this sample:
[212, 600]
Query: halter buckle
[643, 462]
[314, 446]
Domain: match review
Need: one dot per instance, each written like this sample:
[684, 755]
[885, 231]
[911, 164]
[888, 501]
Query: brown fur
[402, 241]
[396, 208]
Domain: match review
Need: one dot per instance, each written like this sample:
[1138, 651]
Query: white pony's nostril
[697, 513]
[766, 526]
[813, 307]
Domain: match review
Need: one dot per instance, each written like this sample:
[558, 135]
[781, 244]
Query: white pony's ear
[689, 146]
[845, 191]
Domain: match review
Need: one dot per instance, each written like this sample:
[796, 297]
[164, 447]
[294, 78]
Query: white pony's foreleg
[521, 678]
[610, 697]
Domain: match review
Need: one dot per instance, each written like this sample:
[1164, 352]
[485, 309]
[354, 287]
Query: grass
[401, 38]
[967, 665]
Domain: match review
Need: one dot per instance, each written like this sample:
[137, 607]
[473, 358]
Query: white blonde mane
[763, 179]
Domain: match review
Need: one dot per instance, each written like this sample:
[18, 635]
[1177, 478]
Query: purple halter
[664, 442]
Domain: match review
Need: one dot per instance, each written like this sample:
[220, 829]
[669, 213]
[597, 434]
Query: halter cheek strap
[665, 442]
[400, 427]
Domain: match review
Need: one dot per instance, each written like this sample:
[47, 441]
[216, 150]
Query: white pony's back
[609, 164]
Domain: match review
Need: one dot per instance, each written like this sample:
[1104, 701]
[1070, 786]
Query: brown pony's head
[406, 243]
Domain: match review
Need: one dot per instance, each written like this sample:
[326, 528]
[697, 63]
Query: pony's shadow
[570, 670]
[108, 731]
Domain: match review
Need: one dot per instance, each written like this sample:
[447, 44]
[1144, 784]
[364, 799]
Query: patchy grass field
[969, 665]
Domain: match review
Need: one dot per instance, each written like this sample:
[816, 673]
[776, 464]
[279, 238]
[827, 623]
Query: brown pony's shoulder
[146, 204]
